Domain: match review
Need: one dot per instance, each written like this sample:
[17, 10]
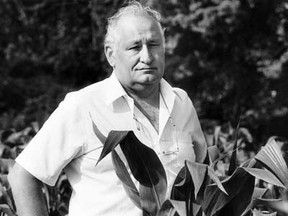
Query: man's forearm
[27, 193]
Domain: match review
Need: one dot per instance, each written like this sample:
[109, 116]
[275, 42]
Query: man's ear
[109, 53]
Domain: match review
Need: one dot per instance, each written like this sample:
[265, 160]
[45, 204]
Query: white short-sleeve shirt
[67, 141]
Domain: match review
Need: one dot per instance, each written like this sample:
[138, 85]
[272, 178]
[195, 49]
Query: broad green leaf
[200, 149]
[257, 193]
[198, 173]
[249, 163]
[179, 206]
[146, 168]
[7, 210]
[167, 209]
[113, 139]
[182, 184]
[192, 182]
[124, 176]
[197, 210]
[214, 152]
[238, 186]
[7, 199]
[206, 160]
[172, 208]
[240, 202]
[259, 213]
[265, 175]
[215, 178]
[233, 159]
[183, 188]
[275, 204]
[271, 157]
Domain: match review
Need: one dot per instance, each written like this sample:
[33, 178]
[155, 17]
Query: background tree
[231, 57]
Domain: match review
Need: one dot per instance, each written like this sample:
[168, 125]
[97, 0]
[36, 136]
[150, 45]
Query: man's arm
[27, 192]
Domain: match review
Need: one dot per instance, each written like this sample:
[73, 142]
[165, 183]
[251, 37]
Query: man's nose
[146, 55]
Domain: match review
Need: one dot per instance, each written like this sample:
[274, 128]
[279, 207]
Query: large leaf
[177, 208]
[259, 213]
[5, 198]
[257, 193]
[148, 170]
[125, 178]
[183, 189]
[271, 157]
[214, 152]
[7, 210]
[198, 173]
[182, 184]
[239, 187]
[233, 160]
[113, 139]
[275, 204]
[192, 179]
[215, 178]
[265, 175]
[190, 184]
[172, 208]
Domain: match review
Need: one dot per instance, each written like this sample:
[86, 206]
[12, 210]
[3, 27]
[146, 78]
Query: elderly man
[135, 97]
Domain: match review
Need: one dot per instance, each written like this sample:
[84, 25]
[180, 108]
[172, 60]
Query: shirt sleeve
[59, 140]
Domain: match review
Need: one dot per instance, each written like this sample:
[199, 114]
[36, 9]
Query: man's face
[139, 52]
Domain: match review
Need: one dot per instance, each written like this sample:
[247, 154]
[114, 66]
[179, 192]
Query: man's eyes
[138, 47]
[135, 47]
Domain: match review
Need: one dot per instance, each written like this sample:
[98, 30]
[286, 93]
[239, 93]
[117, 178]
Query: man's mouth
[147, 69]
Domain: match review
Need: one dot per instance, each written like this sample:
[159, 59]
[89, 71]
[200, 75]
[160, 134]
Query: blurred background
[230, 56]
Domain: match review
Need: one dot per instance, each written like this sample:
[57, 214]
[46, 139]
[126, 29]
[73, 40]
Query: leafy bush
[12, 142]
[255, 187]
[226, 183]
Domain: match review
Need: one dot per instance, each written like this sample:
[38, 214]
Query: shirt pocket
[177, 149]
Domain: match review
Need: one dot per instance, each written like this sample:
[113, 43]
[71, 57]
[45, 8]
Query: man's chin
[150, 80]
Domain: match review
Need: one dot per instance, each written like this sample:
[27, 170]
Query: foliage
[193, 189]
[12, 142]
[197, 189]
[230, 56]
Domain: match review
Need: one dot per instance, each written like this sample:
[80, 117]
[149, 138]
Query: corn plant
[255, 187]
[224, 184]
[11, 144]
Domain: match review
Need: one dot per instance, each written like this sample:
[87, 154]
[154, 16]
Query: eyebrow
[139, 41]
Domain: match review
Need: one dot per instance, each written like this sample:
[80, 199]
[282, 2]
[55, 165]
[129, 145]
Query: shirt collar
[168, 95]
[115, 91]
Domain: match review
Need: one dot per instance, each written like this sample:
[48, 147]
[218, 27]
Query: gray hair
[133, 8]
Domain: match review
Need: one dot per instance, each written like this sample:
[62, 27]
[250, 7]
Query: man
[135, 98]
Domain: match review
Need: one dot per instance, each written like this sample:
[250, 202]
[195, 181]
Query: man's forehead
[129, 20]
[135, 27]
[143, 38]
